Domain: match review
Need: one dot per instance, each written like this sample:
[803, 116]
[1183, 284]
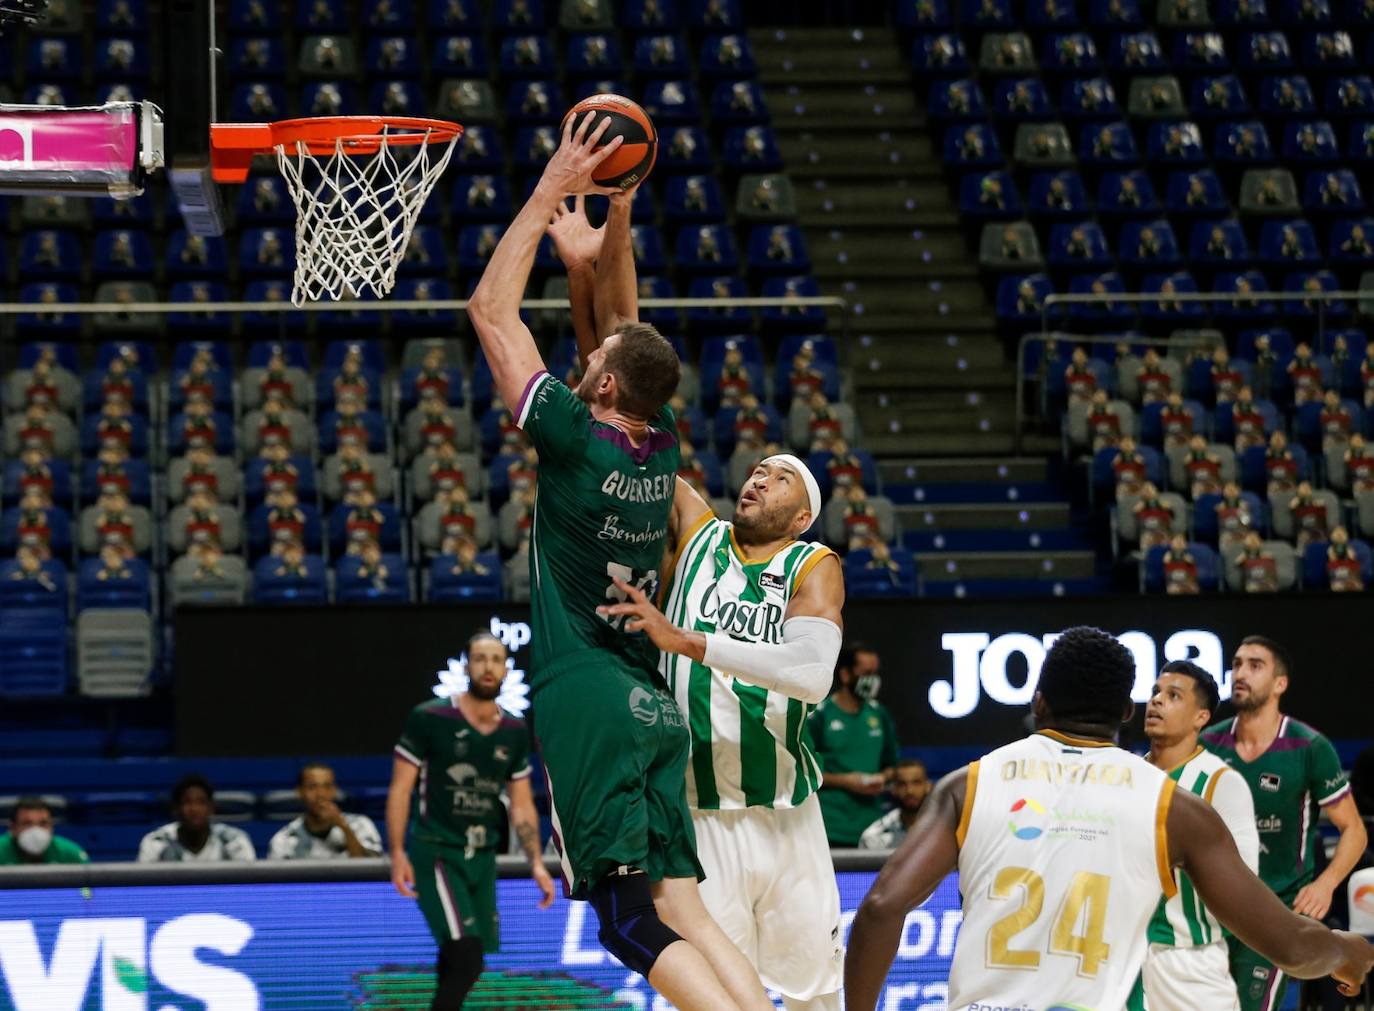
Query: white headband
[813, 490]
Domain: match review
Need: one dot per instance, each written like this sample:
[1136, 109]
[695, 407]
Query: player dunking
[749, 645]
[1064, 844]
[613, 741]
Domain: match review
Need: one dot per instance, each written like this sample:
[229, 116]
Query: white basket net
[355, 213]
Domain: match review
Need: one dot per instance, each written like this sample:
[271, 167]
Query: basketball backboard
[191, 103]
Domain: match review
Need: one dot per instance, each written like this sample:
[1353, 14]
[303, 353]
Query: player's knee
[460, 964]
[631, 929]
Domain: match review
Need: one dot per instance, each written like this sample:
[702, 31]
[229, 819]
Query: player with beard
[1293, 772]
[749, 645]
[461, 751]
[613, 741]
[1186, 964]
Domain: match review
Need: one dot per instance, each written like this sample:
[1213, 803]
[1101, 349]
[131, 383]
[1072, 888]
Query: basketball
[632, 162]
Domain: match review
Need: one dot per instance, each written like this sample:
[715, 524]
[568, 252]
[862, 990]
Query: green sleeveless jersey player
[601, 514]
[458, 819]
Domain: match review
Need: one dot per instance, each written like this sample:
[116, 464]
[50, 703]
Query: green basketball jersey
[601, 513]
[1298, 773]
[462, 772]
[750, 747]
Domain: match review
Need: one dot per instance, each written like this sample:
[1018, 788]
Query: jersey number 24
[1087, 892]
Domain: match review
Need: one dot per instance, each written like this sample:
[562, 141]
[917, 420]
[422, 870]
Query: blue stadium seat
[1242, 13]
[122, 253]
[1175, 145]
[257, 102]
[33, 653]
[185, 351]
[727, 56]
[1286, 95]
[58, 480]
[248, 17]
[221, 437]
[1152, 421]
[121, 59]
[1305, 13]
[777, 249]
[1095, 314]
[1287, 242]
[267, 252]
[1208, 564]
[476, 243]
[1360, 142]
[1200, 52]
[790, 319]
[671, 102]
[1051, 14]
[135, 435]
[352, 586]
[1241, 310]
[1244, 143]
[1311, 142]
[1332, 192]
[1020, 297]
[1107, 145]
[693, 198]
[1263, 51]
[596, 56]
[519, 15]
[715, 15]
[53, 527]
[1052, 195]
[1218, 244]
[256, 484]
[661, 56]
[263, 200]
[534, 145]
[1022, 99]
[527, 56]
[867, 581]
[459, 56]
[1196, 193]
[1166, 310]
[1070, 52]
[447, 587]
[50, 253]
[1148, 245]
[257, 58]
[307, 529]
[1329, 51]
[1317, 576]
[481, 198]
[387, 533]
[1253, 474]
[1220, 95]
[328, 98]
[47, 592]
[191, 292]
[46, 293]
[534, 101]
[394, 56]
[1128, 194]
[136, 212]
[939, 55]
[321, 16]
[718, 320]
[1136, 52]
[92, 591]
[990, 196]
[1313, 282]
[985, 14]
[972, 145]
[195, 256]
[1352, 242]
[370, 425]
[746, 149]
[726, 431]
[425, 253]
[1352, 95]
[650, 15]
[1076, 245]
[666, 320]
[388, 15]
[957, 100]
[1104, 478]
[309, 587]
[1088, 99]
[134, 478]
[738, 102]
[1205, 526]
[397, 98]
[54, 59]
[116, 16]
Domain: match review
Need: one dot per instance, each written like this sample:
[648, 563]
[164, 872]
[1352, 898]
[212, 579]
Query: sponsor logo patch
[1270, 781]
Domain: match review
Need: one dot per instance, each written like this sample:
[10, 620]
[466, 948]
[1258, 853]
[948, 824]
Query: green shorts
[457, 895]
[1260, 984]
[614, 745]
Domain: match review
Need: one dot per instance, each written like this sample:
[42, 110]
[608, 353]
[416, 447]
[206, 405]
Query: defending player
[613, 740]
[1292, 771]
[1186, 964]
[1064, 844]
[461, 750]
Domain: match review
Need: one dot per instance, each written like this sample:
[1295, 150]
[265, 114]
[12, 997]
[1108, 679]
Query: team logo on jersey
[462, 773]
[643, 707]
[772, 581]
[1023, 811]
[501, 753]
[1364, 898]
[1270, 781]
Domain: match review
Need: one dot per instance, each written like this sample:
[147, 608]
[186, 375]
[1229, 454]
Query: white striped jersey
[1062, 860]
[750, 746]
[1184, 921]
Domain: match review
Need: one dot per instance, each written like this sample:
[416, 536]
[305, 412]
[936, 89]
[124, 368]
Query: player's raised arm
[579, 247]
[495, 305]
[928, 854]
[617, 290]
[1200, 843]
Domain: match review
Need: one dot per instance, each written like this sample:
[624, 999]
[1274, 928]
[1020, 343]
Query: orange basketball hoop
[357, 202]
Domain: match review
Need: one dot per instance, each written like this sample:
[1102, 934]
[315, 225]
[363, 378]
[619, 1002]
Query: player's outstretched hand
[544, 880]
[576, 241]
[572, 166]
[641, 615]
[1313, 900]
[1360, 960]
[402, 874]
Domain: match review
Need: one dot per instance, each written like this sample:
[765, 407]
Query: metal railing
[1363, 304]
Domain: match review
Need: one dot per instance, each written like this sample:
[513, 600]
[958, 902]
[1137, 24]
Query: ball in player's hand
[631, 163]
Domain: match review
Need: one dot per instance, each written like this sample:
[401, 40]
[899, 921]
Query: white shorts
[770, 885]
[1189, 979]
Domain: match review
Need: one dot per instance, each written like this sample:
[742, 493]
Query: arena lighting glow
[979, 666]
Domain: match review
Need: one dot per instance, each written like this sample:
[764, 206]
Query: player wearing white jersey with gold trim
[1187, 965]
[750, 650]
[750, 632]
[1064, 844]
